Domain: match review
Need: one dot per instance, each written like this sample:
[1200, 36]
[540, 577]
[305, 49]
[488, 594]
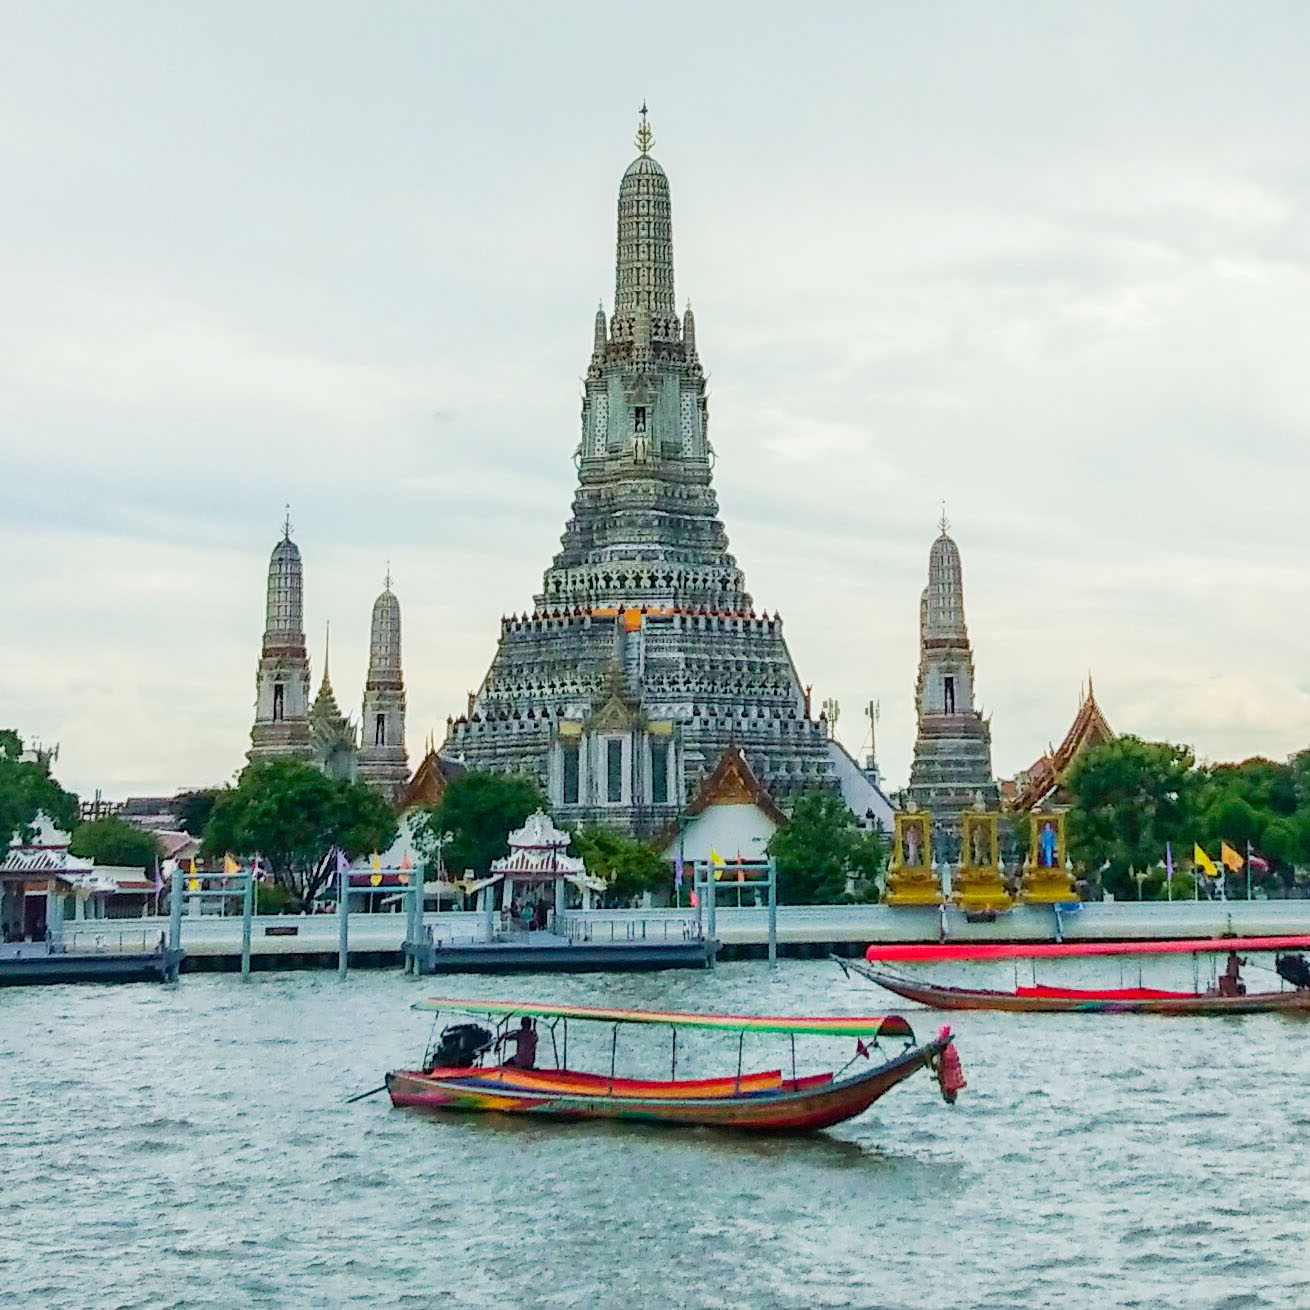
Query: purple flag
[677, 870]
[342, 863]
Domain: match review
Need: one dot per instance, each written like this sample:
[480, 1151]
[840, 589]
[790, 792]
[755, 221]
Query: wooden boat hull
[805, 1106]
[1065, 1000]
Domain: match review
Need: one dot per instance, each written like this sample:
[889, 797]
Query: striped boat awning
[838, 1025]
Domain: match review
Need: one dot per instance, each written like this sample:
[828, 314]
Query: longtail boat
[456, 1077]
[1229, 997]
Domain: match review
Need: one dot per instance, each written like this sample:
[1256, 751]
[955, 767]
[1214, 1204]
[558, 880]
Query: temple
[288, 726]
[642, 660]
[281, 728]
[1042, 785]
[383, 761]
[952, 768]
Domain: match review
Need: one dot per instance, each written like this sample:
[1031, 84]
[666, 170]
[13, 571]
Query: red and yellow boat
[455, 1078]
[1044, 999]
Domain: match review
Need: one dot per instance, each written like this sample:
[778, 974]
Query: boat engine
[458, 1047]
[1294, 969]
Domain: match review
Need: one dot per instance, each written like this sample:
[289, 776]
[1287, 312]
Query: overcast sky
[1050, 264]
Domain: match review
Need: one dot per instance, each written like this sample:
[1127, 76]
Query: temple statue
[911, 879]
[642, 660]
[978, 886]
[952, 768]
[1047, 878]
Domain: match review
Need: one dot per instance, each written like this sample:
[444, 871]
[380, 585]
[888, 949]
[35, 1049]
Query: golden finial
[645, 137]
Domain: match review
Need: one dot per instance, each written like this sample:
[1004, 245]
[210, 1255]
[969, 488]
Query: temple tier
[643, 659]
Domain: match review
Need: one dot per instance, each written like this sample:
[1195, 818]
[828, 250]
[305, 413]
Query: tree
[114, 841]
[296, 818]
[27, 791]
[194, 809]
[628, 866]
[1130, 798]
[479, 809]
[820, 846]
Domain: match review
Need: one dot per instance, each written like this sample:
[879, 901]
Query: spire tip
[645, 137]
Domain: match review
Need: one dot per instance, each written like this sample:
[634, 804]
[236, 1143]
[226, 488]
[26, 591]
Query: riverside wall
[212, 942]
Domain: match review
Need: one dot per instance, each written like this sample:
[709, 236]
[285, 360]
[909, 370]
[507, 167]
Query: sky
[1049, 265]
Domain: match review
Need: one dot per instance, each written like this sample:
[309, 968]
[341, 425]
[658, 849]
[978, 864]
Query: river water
[189, 1146]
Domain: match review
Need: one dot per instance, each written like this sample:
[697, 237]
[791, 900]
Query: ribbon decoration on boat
[906, 951]
[877, 1025]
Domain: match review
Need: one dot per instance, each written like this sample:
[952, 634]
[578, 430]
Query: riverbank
[213, 943]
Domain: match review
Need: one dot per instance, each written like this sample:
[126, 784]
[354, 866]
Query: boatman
[524, 1038]
[1230, 981]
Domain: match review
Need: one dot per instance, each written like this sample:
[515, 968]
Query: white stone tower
[952, 769]
[383, 761]
[281, 728]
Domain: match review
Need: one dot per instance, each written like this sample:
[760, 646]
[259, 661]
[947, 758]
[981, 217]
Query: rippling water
[189, 1146]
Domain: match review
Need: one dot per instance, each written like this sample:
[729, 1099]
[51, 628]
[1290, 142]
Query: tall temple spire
[281, 728]
[952, 768]
[643, 659]
[383, 761]
[644, 248]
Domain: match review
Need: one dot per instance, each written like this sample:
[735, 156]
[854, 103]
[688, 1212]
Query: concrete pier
[377, 940]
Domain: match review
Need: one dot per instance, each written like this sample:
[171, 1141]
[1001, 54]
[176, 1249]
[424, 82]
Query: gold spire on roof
[943, 523]
[645, 137]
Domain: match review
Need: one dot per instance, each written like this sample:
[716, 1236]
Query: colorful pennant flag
[377, 862]
[406, 862]
[716, 863]
[1204, 862]
[1232, 861]
[677, 870]
[1258, 863]
[230, 865]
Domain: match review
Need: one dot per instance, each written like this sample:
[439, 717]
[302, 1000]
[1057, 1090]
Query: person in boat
[1293, 969]
[524, 1038]
[1230, 981]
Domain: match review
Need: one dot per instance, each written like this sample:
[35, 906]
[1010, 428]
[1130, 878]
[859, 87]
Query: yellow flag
[377, 862]
[1232, 861]
[1204, 862]
[230, 865]
[716, 862]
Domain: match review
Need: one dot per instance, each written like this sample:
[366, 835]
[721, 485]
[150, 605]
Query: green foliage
[271, 898]
[819, 847]
[194, 809]
[27, 791]
[114, 841]
[627, 865]
[479, 809]
[296, 817]
[1130, 797]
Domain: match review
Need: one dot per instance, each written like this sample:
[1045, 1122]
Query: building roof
[732, 781]
[429, 783]
[538, 848]
[1089, 728]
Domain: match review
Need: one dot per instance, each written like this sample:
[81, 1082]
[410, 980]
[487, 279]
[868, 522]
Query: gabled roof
[732, 781]
[1089, 728]
[429, 782]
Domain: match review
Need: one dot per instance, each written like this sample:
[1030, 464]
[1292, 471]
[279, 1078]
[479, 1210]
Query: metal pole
[709, 898]
[343, 920]
[247, 913]
[773, 913]
[175, 911]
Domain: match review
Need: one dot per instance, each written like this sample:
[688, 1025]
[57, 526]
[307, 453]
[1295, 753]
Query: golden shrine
[910, 877]
[1047, 879]
[978, 887]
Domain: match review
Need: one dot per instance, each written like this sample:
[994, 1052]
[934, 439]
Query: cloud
[1025, 265]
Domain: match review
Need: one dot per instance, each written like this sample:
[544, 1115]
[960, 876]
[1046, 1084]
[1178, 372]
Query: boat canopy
[879, 1025]
[926, 951]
